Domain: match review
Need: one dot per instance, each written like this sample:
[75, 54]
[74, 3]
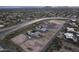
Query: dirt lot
[37, 44]
[57, 21]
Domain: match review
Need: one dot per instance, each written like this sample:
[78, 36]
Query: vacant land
[39, 44]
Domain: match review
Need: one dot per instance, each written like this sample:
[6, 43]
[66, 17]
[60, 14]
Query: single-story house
[70, 36]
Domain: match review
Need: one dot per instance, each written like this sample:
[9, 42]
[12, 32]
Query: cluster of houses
[70, 31]
[12, 18]
[9, 19]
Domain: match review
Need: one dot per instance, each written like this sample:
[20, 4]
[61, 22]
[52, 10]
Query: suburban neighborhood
[39, 29]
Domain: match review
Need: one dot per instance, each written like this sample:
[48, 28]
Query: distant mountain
[11, 7]
[35, 7]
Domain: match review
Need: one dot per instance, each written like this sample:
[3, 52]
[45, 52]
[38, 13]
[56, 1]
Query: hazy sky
[39, 2]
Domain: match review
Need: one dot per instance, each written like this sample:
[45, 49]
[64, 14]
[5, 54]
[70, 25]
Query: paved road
[5, 31]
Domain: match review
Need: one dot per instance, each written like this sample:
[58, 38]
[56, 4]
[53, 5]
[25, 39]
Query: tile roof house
[1, 26]
[70, 36]
[70, 29]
